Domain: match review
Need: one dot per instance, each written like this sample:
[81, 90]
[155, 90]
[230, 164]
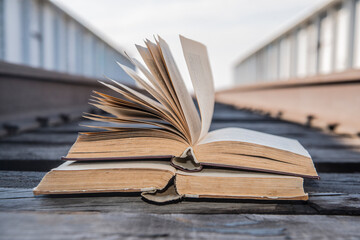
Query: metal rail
[330, 102]
[32, 97]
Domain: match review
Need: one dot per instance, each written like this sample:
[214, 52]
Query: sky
[229, 28]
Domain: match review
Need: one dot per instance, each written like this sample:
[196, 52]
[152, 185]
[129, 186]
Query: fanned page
[184, 97]
[198, 64]
[169, 116]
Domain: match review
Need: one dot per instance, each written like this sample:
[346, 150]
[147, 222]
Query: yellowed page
[137, 97]
[132, 121]
[170, 111]
[156, 78]
[152, 58]
[187, 105]
[93, 146]
[149, 76]
[197, 61]
[165, 81]
[127, 110]
[146, 86]
[254, 137]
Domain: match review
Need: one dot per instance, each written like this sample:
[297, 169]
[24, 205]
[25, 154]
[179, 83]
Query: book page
[254, 137]
[160, 65]
[141, 99]
[156, 79]
[198, 64]
[213, 172]
[154, 60]
[73, 165]
[154, 92]
[142, 143]
[187, 105]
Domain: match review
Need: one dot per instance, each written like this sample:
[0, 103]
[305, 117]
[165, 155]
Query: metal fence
[324, 42]
[40, 34]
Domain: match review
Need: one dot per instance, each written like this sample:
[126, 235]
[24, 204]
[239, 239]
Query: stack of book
[159, 144]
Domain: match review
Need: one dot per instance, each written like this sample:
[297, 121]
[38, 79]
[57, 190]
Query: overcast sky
[229, 28]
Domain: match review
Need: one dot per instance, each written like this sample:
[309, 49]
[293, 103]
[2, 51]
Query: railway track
[329, 102]
[31, 98]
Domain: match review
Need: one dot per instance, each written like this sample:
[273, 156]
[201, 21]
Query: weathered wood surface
[113, 216]
[92, 225]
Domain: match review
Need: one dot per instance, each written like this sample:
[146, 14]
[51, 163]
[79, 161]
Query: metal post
[318, 44]
[351, 5]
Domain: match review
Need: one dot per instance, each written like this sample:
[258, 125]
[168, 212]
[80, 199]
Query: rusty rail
[330, 102]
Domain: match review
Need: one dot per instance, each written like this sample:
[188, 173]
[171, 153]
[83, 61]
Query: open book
[178, 130]
[165, 123]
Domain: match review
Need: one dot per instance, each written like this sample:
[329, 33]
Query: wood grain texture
[94, 225]
[20, 199]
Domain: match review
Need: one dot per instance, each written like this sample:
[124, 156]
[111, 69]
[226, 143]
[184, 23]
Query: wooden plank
[30, 157]
[19, 199]
[20, 179]
[32, 151]
[334, 183]
[41, 138]
[335, 155]
[337, 203]
[117, 225]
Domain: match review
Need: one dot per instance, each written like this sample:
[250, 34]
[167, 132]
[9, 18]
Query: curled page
[166, 195]
[186, 161]
[198, 64]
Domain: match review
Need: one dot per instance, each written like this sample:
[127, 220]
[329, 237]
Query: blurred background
[73, 43]
[229, 28]
[85, 37]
